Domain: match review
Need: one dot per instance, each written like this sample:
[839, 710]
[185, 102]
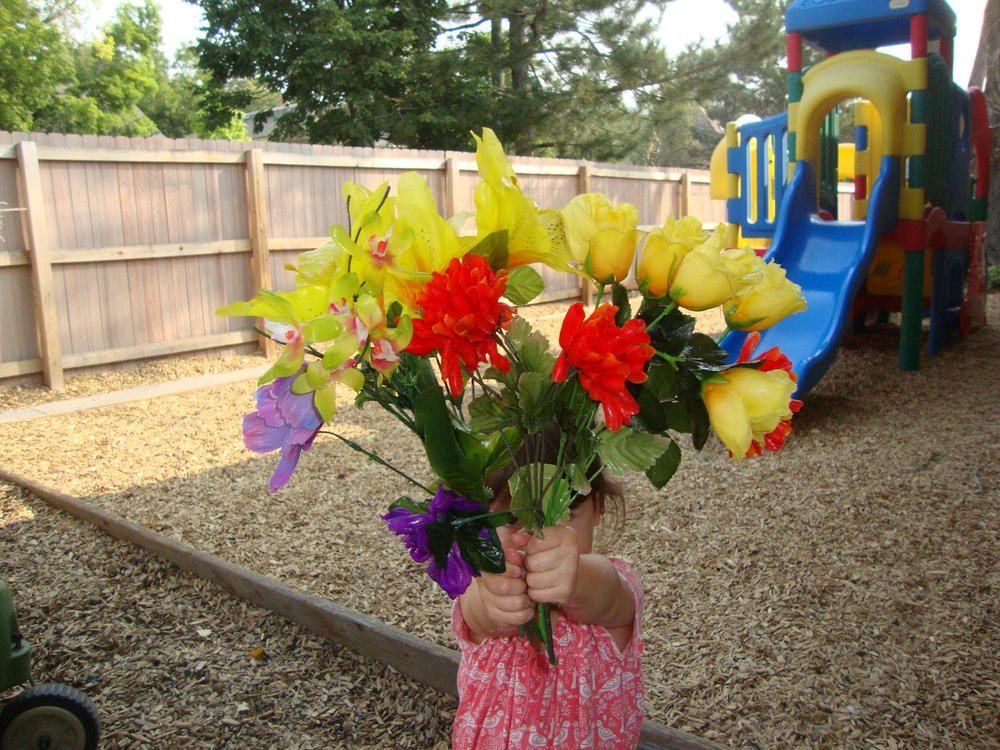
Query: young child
[509, 694]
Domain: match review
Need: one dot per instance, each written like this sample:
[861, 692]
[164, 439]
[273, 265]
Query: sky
[684, 21]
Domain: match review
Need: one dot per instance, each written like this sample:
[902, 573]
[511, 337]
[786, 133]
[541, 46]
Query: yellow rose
[704, 279]
[602, 235]
[744, 264]
[761, 305]
[664, 249]
[747, 404]
[611, 253]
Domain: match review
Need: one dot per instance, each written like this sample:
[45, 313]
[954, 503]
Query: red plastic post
[793, 47]
[918, 35]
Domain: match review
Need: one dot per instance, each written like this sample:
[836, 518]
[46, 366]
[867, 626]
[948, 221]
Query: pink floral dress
[510, 697]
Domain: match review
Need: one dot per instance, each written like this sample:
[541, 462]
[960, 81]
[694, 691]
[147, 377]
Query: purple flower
[456, 573]
[283, 420]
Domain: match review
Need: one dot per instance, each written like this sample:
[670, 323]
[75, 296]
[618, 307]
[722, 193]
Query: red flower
[461, 315]
[606, 356]
[773, 360]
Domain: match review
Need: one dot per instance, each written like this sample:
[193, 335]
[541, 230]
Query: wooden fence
[118, 249]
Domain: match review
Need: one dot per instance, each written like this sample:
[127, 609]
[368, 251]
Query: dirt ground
[841, 593]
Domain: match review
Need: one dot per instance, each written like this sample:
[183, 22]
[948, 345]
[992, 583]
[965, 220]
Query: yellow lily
[500, 204]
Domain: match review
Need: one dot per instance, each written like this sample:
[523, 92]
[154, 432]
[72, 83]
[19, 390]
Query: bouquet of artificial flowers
[421, 320]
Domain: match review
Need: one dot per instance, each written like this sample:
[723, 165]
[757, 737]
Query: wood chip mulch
[841, 593]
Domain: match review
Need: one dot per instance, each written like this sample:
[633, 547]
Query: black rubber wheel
[49, 717]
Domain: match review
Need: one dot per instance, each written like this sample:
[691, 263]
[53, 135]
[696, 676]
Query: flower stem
[377, 459]
[666, 311]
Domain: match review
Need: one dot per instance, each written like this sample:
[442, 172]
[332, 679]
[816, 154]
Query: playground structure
[920, 166]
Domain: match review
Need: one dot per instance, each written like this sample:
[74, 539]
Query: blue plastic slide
[829, 260]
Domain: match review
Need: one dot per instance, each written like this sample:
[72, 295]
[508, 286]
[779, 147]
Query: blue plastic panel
[841, 25]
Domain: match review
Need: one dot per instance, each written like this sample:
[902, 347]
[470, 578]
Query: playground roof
[841, 25]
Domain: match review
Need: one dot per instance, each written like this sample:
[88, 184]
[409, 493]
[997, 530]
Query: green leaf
[486, 414]
[677, 416]
[666, 465]
[661, 380]
[555, 504]
[526, 503]
[440, 537]
[524, 283]
[394, 312]
[619, 297]
[689, 393]
[705, 353]
[534, 394]
[411, 505]
[493, 247]
[501, 449]
[651, 412]
[627, 450]
[483, 553]
[535, 355]
[444, 453]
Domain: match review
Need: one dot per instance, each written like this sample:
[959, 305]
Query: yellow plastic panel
[886, 275]
[718, 188]
[881, 79]
[845, 161]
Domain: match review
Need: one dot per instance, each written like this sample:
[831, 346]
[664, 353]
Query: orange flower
[606, 356]
[462, 313]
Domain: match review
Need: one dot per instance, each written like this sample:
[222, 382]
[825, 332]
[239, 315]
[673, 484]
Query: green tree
[551, 78]
[345, 66]
[117, 71]
[35, 67]
[177, 105]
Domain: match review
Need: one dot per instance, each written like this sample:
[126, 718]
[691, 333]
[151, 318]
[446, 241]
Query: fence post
[450, 186]
[36, 231]
[684, 202]
[260, 256]
[583, 186]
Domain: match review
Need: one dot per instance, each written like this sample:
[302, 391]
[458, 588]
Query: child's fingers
[554, 586]
[515, 562]
[505, 584]
[521, 538]
[551, 538]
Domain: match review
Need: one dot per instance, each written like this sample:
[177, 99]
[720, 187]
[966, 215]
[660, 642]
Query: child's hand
[552, 562]
[499, 602]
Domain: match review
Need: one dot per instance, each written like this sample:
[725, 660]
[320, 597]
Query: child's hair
[604, 490]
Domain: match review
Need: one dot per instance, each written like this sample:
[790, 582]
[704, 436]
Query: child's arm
[495, 604]
[587, 587]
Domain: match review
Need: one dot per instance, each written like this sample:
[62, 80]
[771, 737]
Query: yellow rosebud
[611, 253]
[602, 233]
[761, 305]
[664, 249]
[704, 280]
[748, 405]
[744, 264]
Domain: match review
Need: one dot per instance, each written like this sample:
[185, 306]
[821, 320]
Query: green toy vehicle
[41, 717]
